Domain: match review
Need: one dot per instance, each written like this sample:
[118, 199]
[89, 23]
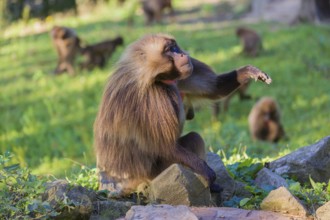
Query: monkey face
[163, 58]
[181, 60]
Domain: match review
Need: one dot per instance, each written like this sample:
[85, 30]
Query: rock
[311, 160]
[265, 177]
[161, 212]
[78, 198]
[109, 209]
[229, 185]
[240, 214]
[167, 212]
[323, 213]
[179, 186]
[281, 200]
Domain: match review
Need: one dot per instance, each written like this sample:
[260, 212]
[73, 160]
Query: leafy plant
[313, 195]
[86, 177]
[20, 192]
[245, 170]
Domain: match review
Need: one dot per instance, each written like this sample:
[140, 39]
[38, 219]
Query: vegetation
[47, 120]
[21, 192]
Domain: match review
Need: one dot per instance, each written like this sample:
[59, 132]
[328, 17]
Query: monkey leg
[194, 143]
[216, 109]
[192, 154]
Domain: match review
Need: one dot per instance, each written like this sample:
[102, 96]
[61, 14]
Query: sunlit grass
[47, 121]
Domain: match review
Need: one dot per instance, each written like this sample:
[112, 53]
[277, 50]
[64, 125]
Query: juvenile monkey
[67, 45]
[138, 129]
[251, 41]
[265, 121]
[97, 55]
[154, 9]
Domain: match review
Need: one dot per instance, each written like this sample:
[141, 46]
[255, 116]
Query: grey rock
[223, 213]
[109, 209]
[311, 160]
[179, 186]
[77, 200]
[323, 213]
[160, 212]
[267, 177]
[166, 212]
[230, 186]
[281, 200]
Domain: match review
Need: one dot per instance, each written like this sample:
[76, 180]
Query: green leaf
[244, 201]
[314, 185]
[12, 167]
[295, 186]
[328, 187]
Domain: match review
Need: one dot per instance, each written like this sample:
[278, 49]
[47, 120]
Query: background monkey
[251, 41]
[264, 121]
[138, 128]
[97, 55]
[67, 45]
[154, 9]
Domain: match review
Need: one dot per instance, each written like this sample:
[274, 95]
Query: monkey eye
[175, 49]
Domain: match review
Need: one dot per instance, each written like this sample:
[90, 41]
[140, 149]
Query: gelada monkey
[97, 55]
[137, 131]
[264, 121]
[153, 9]
[67, 45]
[251, 41]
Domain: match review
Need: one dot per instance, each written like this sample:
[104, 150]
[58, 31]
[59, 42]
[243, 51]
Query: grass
[47, 120]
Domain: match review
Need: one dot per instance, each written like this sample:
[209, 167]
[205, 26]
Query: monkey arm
[204, 83]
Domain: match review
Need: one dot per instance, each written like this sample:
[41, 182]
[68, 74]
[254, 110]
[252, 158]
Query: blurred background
[46, 119]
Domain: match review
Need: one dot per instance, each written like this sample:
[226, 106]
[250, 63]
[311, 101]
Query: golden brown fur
[138, 128]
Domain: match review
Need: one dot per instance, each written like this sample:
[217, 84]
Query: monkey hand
[244, 74]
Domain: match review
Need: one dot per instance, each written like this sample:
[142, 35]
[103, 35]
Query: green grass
[47, 121]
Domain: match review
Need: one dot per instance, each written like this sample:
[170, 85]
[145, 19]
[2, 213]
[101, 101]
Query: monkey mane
[136, 118]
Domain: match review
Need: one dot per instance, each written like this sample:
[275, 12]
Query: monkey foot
[110, 184]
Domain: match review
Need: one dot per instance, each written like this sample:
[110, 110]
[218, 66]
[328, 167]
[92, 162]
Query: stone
[307, 161]
[323, 213]
[180, 186]
[281, 200]
[225, 213]
[79, 199]
[160, 212]
[224, 180]
[167, 212]
[265, 177]
[109, 209]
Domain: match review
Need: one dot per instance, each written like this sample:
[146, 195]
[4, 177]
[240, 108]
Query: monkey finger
[264, 78]
[257, 74]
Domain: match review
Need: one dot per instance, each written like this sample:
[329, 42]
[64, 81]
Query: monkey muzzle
[183, 65]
